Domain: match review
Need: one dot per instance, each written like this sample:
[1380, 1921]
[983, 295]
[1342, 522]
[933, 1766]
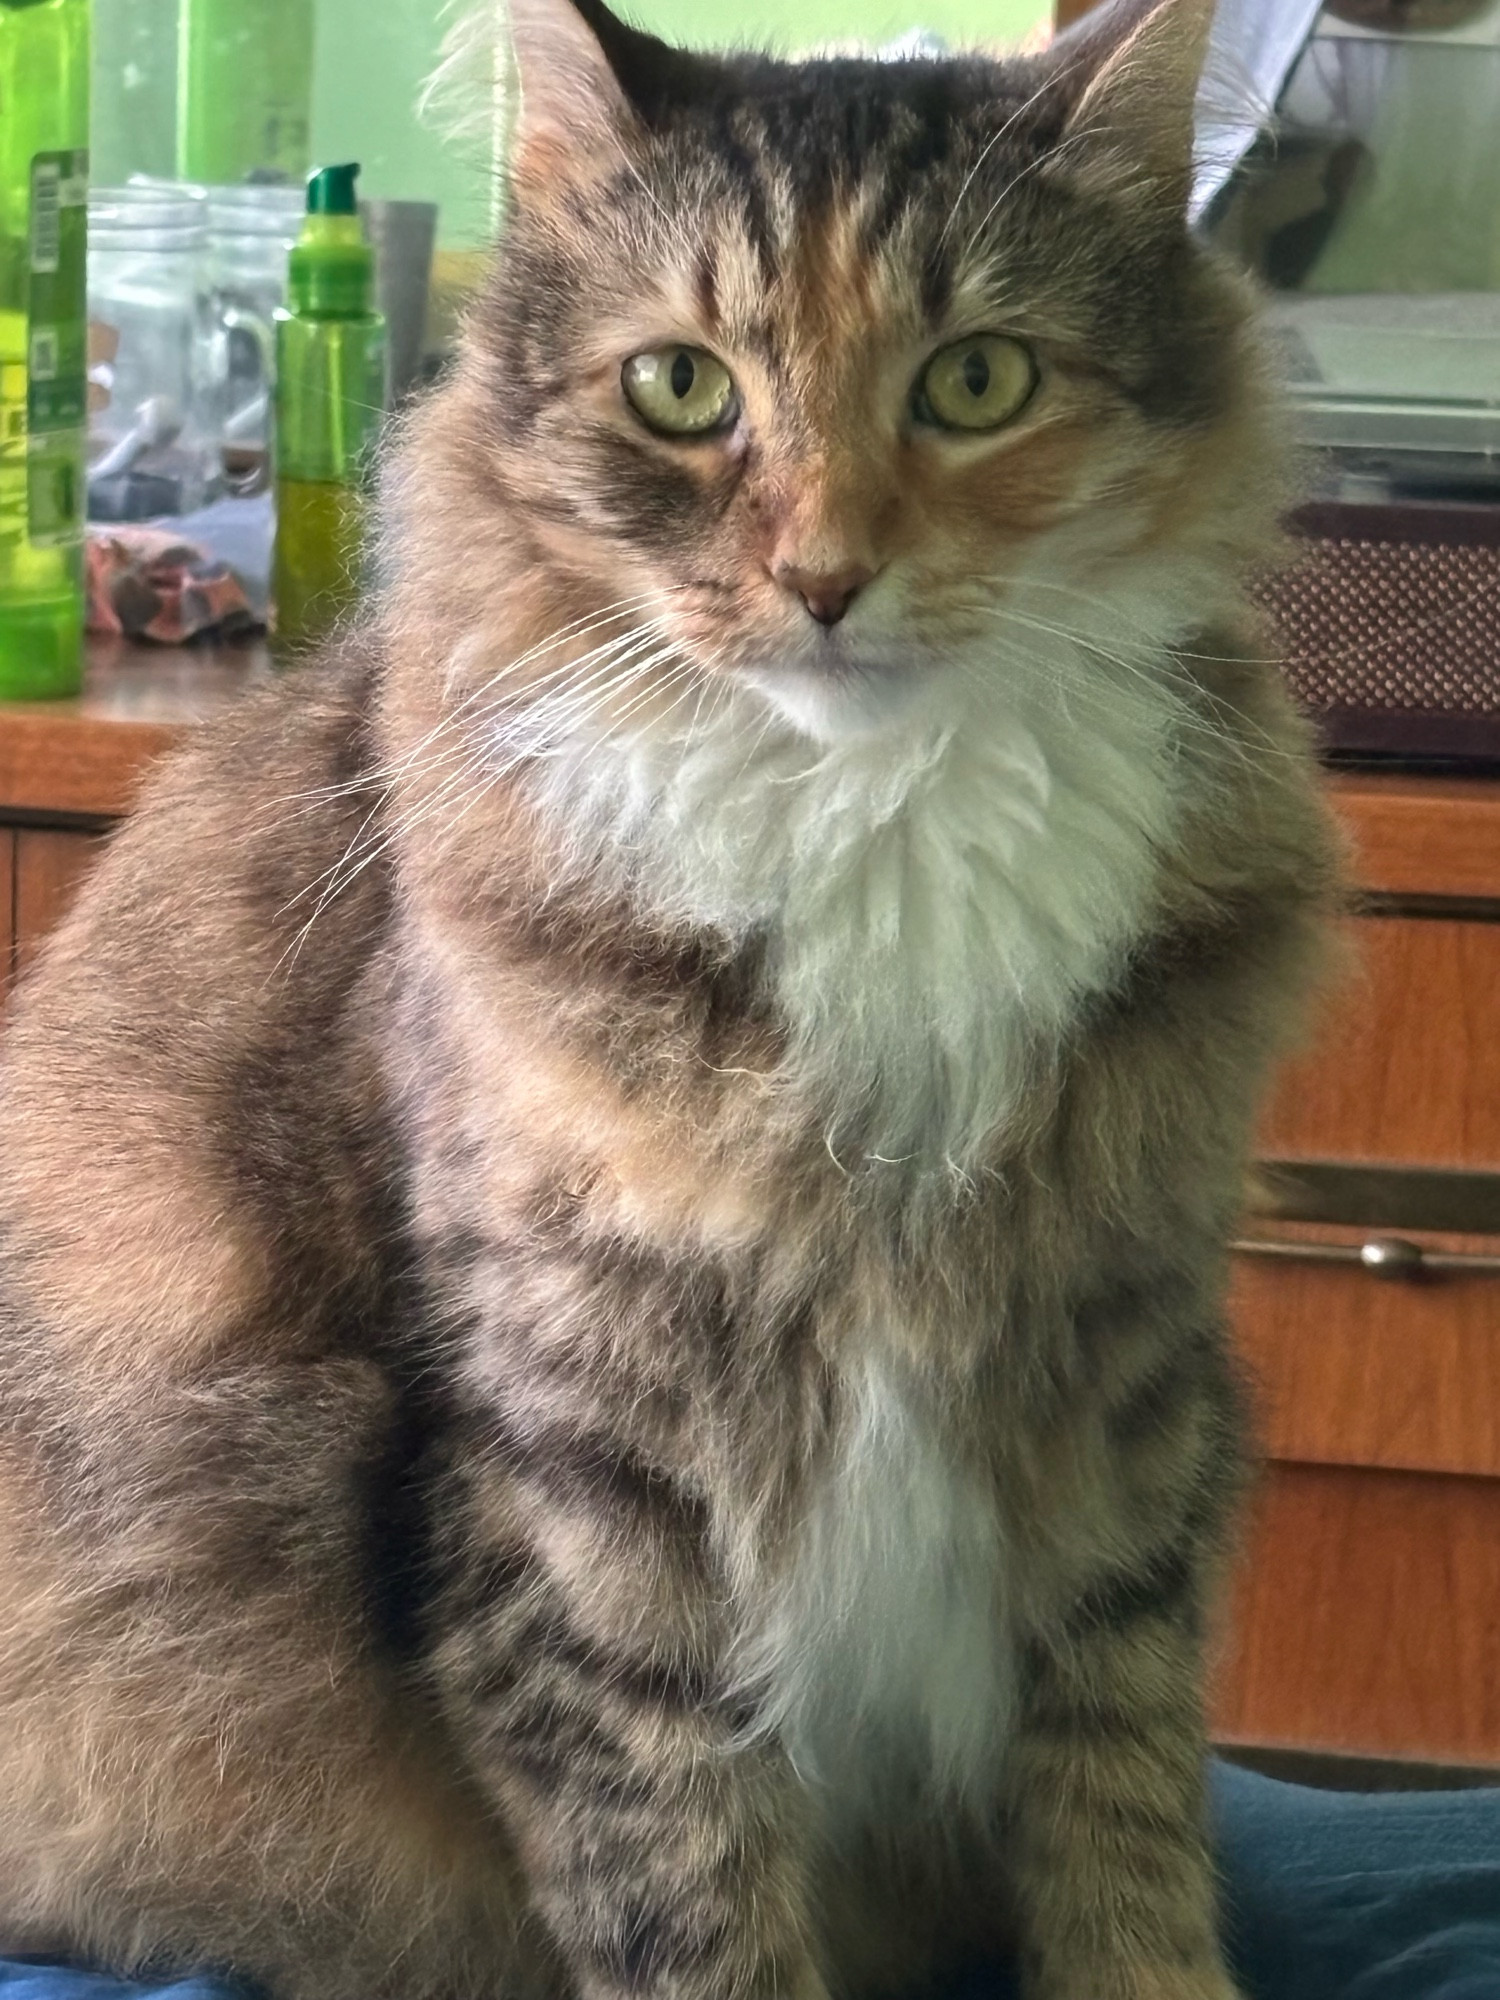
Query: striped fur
[613, 1212]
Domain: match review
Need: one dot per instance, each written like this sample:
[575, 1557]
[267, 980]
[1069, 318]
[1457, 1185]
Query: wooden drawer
[1420, 836]
[1366, 1617]
[1406, 1066]
[1352, 1368]
[44, 868]
[7, 906]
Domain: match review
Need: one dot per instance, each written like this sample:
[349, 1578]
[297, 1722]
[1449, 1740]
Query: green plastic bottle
[330, 402]
[244, 88]
[44, 164]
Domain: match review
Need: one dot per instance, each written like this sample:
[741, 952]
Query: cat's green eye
[975, 384]
[682, 391]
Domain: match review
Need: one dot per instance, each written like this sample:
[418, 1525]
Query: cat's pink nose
[827, 593]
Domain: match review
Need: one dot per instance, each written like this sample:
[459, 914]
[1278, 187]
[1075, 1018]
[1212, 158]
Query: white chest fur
[883, 1658]
[938, 896]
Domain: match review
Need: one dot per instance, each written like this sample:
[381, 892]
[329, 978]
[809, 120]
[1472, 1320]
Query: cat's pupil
[683, 373]
[976, 373]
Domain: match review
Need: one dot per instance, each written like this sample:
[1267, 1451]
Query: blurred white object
[403, 234]
[1253, 47]
[158, 422]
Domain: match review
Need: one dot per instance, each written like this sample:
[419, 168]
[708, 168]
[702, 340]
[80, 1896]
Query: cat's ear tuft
[1132, 68]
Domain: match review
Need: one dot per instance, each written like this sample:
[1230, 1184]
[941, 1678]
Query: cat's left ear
[1132, 69]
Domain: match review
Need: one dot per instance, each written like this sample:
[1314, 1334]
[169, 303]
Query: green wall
[800, 23]
[370, 58]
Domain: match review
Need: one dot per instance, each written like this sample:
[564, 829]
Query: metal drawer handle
[1384, 1256]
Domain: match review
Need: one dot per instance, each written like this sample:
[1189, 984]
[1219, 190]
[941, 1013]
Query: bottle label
[57, 346]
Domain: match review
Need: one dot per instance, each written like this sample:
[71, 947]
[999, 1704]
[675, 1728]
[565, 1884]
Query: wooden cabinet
[39, 869]
[1407, 1069]
[69, 769]
[1351, 1368]
[49, 865]
[1366, 1616]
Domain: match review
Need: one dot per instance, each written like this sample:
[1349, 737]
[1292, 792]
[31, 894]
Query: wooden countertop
[84, 759]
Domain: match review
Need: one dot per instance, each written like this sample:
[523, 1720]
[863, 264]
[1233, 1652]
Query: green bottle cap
[331, 274]
[330, 190]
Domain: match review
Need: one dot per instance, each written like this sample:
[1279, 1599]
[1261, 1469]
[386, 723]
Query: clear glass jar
[152, 449]
[251, 231]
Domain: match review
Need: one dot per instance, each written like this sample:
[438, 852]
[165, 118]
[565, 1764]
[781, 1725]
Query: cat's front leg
[1111, 1863]
[661, 1849]
[1115, 1881]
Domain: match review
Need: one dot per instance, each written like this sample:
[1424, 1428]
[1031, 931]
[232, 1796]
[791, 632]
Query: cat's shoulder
[249, 875]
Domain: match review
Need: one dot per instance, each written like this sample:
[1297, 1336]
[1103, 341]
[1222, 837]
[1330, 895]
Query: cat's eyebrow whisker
[1048, 83]
[1032, 166]
[641, 182]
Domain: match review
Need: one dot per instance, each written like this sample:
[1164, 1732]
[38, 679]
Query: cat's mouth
[837, 689]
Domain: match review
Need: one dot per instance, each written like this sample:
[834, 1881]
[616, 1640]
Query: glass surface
[135, 90]
[1373, 214]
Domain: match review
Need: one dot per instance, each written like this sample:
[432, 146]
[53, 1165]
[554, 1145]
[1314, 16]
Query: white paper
[1252, 48]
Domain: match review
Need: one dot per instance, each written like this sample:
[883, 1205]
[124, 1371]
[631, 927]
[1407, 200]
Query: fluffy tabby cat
[614, 1203]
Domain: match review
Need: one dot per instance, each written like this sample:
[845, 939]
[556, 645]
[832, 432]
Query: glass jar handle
[239, 319]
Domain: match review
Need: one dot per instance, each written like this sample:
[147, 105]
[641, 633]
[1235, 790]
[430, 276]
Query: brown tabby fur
[430, 1305]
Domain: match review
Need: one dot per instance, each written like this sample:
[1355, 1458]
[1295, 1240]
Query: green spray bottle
[44, 164]
[330, 402]
[244, 88]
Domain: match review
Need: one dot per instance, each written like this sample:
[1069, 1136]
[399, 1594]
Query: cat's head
[835, 370]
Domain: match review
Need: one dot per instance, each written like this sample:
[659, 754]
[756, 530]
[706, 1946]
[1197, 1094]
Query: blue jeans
[1327, 1896]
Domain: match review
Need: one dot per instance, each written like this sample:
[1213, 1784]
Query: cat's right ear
[585, 84]
[570, 110]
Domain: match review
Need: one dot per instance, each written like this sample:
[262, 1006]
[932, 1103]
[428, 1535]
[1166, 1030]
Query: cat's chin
[830, 706]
